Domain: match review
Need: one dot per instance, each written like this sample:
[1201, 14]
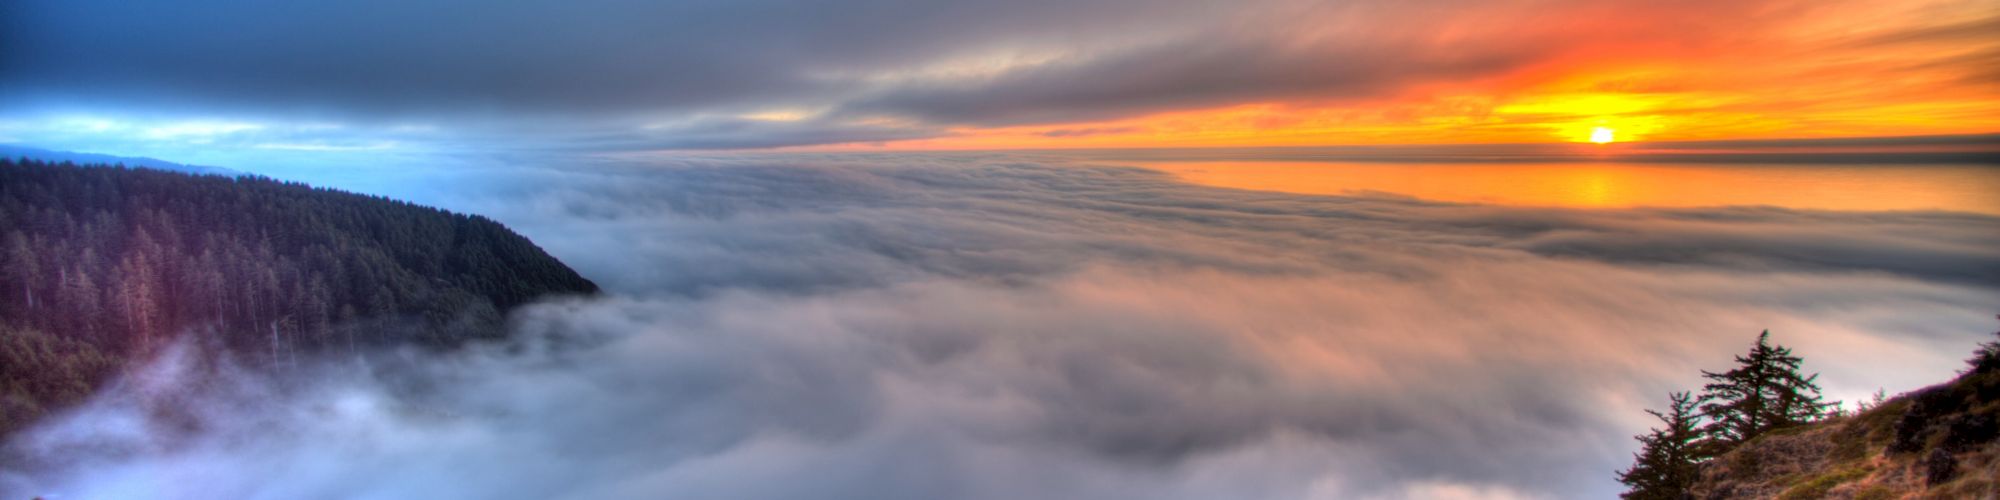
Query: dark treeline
[101, 266]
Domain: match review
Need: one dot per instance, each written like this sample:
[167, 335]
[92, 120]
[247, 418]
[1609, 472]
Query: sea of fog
[991, 326]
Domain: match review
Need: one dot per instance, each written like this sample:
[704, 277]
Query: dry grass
[1846, 458]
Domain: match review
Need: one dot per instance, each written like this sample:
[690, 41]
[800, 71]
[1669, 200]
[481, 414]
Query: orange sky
[990, 74]
[1767, 70]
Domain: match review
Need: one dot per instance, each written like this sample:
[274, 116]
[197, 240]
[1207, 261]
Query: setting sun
[1071, 250]
[1602, 135]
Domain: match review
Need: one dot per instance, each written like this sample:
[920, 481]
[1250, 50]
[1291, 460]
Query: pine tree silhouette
[1764, 392]
[1665, 466]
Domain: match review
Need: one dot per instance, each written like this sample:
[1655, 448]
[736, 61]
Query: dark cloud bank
[1000, 327]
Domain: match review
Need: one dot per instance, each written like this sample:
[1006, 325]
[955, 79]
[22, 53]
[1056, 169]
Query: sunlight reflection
[1969, 188]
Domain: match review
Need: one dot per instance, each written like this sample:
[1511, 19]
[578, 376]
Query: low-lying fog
[995, 327]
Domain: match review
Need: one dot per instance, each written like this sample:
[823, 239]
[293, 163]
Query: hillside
[1942, 442]
[100, 267]
[52, 156]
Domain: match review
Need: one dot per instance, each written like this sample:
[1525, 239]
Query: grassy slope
[1941, 442]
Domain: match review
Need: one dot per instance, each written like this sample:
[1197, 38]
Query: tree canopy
[1764, 392]
[100, 266]
[1666, 465]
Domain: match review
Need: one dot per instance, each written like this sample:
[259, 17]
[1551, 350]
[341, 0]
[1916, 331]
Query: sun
[1602, 135]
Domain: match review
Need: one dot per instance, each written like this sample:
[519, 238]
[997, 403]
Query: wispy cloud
[990, 74]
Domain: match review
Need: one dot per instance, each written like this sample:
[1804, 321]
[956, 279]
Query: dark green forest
[102, 266]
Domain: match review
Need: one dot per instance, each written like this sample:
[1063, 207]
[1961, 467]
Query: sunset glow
[999, 249]
[1769, 70]
[1954, 188]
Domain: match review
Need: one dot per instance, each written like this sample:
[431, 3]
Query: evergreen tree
[101, 266]
[1987, 357]
[1764, 392]
[1665, 466]
[23, 269]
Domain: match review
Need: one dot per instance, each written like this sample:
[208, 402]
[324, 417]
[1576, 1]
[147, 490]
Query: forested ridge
[101, 266]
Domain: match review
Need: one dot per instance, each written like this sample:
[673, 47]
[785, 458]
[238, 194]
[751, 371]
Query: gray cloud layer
[676, 75]
[1186, 74]
[987, 326]
[465, 56]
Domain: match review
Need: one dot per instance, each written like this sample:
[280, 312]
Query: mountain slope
[100, 267]
[1941, 442]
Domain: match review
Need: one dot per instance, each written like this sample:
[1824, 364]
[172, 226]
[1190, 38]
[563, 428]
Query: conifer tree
[98, 266]
[1764, 392]
[1665, 466]
[1987, 357]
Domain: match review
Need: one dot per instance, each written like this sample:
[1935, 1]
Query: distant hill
[1942, 442]
[101, 267]
[23, 152]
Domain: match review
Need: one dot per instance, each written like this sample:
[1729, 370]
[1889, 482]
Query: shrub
[1818, 486]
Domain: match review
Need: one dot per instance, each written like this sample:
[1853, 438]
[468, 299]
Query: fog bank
[990, 326]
